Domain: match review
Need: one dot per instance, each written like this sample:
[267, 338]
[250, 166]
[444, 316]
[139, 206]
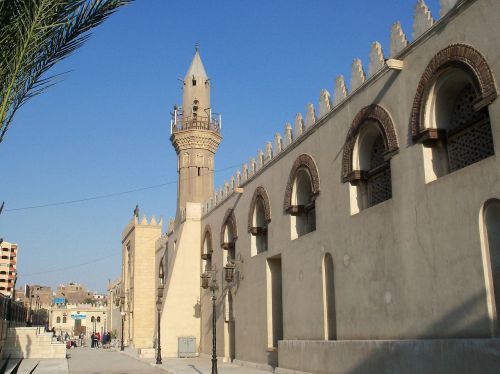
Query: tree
[34, 36]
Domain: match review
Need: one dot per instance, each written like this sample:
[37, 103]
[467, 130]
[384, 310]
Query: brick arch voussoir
[229, 219]
[260, 192]
[303, 161]
[382, 117]
[459, 55]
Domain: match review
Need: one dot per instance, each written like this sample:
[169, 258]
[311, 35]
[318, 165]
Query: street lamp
[122, 348]
[208, 281]
[158, 309]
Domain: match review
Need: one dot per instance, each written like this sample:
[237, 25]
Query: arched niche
[259, 217]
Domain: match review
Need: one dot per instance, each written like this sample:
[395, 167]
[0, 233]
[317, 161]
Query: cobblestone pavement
[103, 361]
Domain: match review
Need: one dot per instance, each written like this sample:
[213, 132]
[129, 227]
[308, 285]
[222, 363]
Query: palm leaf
[34, 36]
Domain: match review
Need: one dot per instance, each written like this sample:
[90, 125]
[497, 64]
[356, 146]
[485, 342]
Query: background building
[114, 319]
[75, 319]
[8, 266]
[74, 293]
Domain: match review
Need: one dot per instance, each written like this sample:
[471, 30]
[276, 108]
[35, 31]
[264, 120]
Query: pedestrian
[108, 339]
[93, 340]
[53, 332]
[98, 339]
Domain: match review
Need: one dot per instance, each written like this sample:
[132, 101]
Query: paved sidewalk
[45, 366]
[86, 360]
[196, 365]
[203, 366]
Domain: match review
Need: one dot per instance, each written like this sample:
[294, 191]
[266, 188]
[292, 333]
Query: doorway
[274, 302]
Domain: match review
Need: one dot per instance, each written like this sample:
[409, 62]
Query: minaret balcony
[180, 122]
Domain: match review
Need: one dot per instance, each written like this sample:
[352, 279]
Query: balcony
[179, 122]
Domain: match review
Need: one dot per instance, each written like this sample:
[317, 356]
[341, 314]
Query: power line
[106, 196]
[72, 266]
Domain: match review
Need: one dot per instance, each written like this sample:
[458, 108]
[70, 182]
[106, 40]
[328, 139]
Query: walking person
[98, 337]
[108, 339]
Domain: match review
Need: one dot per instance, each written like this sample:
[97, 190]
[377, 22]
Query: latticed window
[469, 133]
[379, 176]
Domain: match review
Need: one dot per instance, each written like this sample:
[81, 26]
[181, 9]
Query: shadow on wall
[441, 355]
[197, 309]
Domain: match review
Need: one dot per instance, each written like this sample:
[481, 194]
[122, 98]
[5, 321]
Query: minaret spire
[195, 136]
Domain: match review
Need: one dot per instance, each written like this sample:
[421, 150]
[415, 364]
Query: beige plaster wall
[140, 290]
[181, 309]
[407, 268]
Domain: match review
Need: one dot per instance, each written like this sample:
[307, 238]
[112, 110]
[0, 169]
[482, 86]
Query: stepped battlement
[379, 63]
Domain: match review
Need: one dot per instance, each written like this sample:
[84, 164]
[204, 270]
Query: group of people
[98, 341]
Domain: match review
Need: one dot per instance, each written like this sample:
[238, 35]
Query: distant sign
[59, 300]
[78, 316]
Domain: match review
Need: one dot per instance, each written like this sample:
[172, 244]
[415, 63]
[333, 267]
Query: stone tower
[195, 136]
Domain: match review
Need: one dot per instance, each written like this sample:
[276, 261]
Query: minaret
[195, 136]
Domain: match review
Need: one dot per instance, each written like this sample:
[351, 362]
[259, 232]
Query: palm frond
[34, 36]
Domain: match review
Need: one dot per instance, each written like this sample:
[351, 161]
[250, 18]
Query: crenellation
[231, 184]
[238, 178]
[422, 20]
[310, 116]
[340, 92]
[398, 39]
[299, 126]
[245, 172]
[171, 225]
[153, 221]
[226, 189]
[260, 160]
[376, 59]
[288, 134]
[269, 151]
[253, 167]
[144, 220]
[358, 76]
[324, 103]
[278, 143]
[446, 6]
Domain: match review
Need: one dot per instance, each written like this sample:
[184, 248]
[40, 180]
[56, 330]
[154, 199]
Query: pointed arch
[230, 221]
[459, 55]
[207, 244]
[161, 272]
[304, 161]
[259, 193]
[377, 114]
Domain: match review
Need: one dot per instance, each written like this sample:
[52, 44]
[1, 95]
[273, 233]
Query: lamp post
[122, 348]
[158, 309]
[208, 281]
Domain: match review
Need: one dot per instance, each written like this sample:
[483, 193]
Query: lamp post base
[214, 365]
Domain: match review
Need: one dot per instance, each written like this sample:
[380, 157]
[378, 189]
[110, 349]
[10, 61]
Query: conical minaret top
[195, 136]
[196, 69]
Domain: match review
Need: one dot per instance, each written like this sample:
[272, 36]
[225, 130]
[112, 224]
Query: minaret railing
[179, 122]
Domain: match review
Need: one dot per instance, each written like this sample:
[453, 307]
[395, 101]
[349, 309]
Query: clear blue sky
[105, 128]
